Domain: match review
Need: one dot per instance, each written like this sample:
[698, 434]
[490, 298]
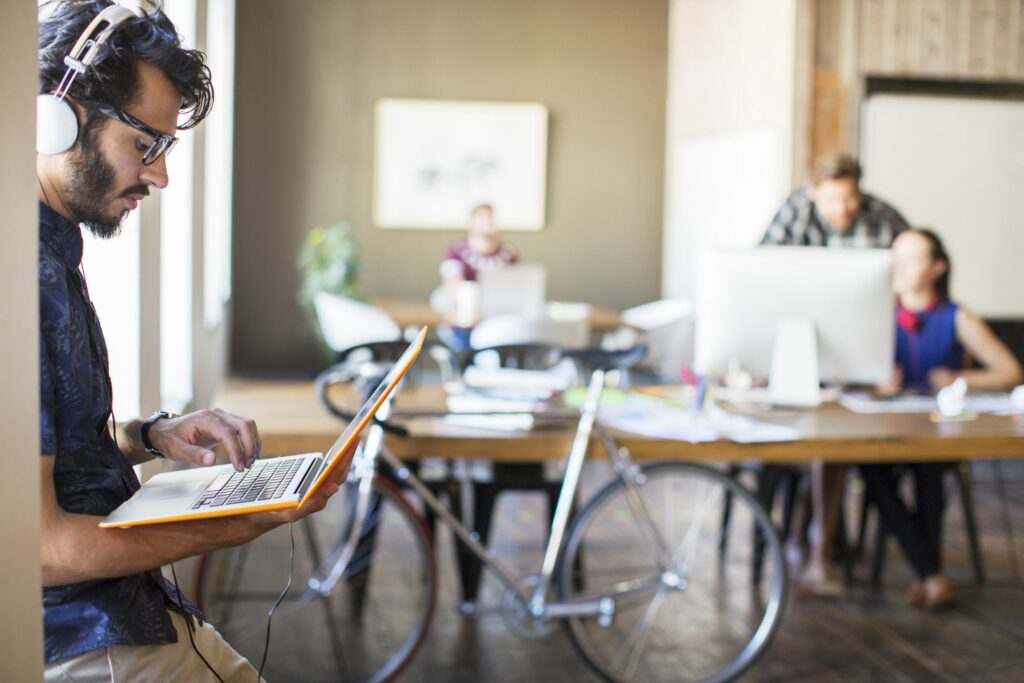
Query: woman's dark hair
[113, 79]
[938, 251]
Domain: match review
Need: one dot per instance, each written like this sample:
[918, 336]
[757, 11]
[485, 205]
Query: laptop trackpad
[168, 491]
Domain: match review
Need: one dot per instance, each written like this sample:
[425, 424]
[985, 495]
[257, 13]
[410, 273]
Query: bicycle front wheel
[677, 559]
[370, 624]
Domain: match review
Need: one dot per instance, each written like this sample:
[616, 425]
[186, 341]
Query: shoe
[795, 556]
[820, 585]
[938, 591]
[916, 594]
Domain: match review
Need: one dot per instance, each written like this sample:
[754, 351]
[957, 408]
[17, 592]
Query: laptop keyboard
[265, 480]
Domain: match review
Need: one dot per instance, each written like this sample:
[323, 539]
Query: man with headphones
[113, 81]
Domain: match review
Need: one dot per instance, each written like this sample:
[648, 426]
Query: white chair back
[346, 322]
[667, 328]
[504, 330]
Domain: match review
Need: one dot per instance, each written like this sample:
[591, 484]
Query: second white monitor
[744, 295]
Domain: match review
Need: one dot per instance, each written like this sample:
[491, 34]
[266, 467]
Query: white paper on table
[502, 378]
[503, 423]
[864, 402]
[477, 403]
[655, 419]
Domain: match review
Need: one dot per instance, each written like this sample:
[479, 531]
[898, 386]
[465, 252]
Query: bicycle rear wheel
[698, 617]
[372, 622]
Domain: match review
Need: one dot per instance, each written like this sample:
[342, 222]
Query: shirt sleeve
[452, 268]
[52, 292]
[47, 402]
[452, 265]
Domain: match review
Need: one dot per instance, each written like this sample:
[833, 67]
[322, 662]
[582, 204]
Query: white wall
[21, 647]
[956, 164]
[734, 89]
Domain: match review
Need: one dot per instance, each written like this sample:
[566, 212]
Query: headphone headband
[87, 48]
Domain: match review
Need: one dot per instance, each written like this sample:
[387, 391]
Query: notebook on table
[270, 484]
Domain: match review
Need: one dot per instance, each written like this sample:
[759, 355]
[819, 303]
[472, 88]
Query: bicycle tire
[373, 622]
[731, 618]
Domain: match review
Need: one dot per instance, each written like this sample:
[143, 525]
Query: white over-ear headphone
[56, 121]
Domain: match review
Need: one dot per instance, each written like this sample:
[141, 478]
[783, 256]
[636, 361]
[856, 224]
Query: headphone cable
[280, 599]
[189, 625]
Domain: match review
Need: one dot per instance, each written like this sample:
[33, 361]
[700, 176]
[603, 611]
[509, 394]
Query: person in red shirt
[481, 250]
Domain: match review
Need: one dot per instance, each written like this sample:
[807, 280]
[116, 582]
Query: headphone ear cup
[56, 125]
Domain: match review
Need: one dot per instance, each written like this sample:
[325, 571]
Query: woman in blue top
[934, 337]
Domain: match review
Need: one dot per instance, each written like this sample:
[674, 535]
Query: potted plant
[329, 262]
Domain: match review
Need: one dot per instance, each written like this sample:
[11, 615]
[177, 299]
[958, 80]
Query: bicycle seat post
[570, 484]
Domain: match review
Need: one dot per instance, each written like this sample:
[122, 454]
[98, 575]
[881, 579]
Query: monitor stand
[794, 376]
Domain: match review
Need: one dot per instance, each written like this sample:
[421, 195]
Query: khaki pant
[158, 663]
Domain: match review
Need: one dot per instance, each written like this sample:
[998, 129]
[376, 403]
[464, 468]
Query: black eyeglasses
[162, 144]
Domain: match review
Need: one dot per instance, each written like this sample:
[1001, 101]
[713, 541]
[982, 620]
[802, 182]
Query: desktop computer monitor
[515, 289]
[797, 316]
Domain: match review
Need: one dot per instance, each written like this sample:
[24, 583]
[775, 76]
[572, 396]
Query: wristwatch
[150, 421]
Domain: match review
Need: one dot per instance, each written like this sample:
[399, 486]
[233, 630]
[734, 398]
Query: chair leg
[767, 480]
[843, 545]
[723, 536]
[878, 554]
[470, 566]
[1011, 540]
[789, 502]
[963, 478]
[862, 526]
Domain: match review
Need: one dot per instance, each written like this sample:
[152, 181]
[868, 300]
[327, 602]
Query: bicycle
[641, 577]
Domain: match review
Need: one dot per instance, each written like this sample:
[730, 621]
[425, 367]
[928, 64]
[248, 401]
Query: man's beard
[88, 189]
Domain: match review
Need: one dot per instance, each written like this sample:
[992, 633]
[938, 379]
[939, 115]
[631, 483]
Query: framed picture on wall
[437, 159]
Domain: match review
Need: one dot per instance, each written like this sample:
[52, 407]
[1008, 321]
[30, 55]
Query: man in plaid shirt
[833, 212]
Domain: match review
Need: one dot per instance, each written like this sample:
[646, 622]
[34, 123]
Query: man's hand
[192, 438]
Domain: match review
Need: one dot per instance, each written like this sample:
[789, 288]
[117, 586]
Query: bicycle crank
[517, 615]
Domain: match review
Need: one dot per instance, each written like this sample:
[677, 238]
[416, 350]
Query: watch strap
[144, 432]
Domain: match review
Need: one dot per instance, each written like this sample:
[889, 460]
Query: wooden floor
[871, 636]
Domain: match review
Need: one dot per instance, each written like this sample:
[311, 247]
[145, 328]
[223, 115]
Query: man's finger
[248, 435]
[228, 437]
[196, 454]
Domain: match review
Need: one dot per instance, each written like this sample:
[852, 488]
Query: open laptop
[517, 289]
[271, 484]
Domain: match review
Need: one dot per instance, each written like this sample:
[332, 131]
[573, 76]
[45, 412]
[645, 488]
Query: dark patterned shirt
[799, 223]
[91, 475]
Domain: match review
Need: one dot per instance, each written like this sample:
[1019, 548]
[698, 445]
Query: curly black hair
[113, 78]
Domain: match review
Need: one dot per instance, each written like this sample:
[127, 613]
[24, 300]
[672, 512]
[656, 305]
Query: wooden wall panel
[959, 39]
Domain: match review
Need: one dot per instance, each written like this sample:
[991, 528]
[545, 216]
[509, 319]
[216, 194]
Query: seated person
[833, 211]
[932, 335]
[481, 250]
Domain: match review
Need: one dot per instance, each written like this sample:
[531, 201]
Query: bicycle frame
[535, 601]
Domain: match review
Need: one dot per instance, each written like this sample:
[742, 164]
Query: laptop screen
[366, 412]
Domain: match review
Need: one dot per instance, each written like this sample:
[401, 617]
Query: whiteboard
[956, 165]
[437, 159]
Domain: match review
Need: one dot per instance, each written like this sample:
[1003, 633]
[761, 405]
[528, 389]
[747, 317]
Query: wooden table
[411, 313]
[291, 420]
